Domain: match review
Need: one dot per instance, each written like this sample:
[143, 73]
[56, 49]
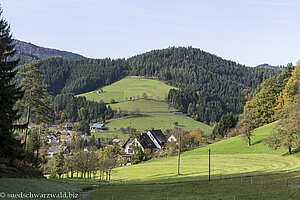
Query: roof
[116, 140]
[98, 126]
[65, 137]
[159, 136]
[53, 148]
[146, 142]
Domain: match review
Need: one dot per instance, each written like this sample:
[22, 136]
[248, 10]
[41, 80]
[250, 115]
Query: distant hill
[28, 52]
[267, 66]
[209, 85]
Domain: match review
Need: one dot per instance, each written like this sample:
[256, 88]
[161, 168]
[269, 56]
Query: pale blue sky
[250, 32]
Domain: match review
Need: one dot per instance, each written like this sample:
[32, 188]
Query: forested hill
[209, 85]
[29, 52]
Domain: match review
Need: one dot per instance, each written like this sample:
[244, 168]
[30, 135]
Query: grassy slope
[38, 186]
[154, 112]
[130, 87]
[271, 187]
[229, 157]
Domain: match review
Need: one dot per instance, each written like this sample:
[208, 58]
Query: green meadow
[237, 172]
[16, 186]
[266, 187]
[229, 157]
[154, 112]
[130, 87]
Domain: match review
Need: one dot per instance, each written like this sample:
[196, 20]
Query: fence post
[208, 164]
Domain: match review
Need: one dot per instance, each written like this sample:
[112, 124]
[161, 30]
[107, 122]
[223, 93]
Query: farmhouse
[65, 138]
[52, 139]
[53, 150]
[97, 127]
[152, 140]
[68, 126]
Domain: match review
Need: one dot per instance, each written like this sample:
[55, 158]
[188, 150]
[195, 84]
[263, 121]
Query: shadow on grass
[138, 116]
[257, 142]
[192, 177]
[294, 151]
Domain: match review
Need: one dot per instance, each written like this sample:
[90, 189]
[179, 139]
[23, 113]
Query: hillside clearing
[154, 112]
[130, 87]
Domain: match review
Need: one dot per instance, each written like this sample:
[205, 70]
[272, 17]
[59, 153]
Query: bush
[52, 175]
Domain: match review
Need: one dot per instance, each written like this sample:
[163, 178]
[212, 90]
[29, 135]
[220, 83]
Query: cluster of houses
[149, 141]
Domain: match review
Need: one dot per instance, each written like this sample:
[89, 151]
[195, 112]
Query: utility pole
[208, 164]
[179, 152]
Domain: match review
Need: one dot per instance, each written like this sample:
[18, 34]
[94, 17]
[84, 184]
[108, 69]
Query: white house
[172, 138]
[52, 139]
[153, 140]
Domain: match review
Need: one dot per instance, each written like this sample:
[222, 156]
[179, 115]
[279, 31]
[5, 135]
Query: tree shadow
[294, 151]
[257, 142]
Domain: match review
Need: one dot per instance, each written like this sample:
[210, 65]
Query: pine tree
[9, 94]
[35, 100]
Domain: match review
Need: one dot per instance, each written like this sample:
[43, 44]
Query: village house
[97, 127]
[68, 126]
[52, 139]
[115, 141]
[172, 138]
[65, 138]
[53, 150]
[152, 140]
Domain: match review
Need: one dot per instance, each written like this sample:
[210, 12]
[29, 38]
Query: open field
[154, 112]
[161, 121]
[237, 172]
[229, 157]
[9, 186]
[130, 87]
[268, 187]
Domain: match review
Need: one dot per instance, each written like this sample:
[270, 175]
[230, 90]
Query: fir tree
[9, 94]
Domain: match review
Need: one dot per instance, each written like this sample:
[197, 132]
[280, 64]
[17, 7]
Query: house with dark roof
[152, 140]
[68, 126]
[97, 127]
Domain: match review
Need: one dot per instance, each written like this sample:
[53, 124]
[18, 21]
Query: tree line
[86, 164]
[276, 99]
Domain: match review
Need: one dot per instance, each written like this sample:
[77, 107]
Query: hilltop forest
[209, 86]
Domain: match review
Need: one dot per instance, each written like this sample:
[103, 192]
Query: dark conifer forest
[208, 86]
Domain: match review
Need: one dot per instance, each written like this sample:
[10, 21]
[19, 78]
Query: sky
[250, 32]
